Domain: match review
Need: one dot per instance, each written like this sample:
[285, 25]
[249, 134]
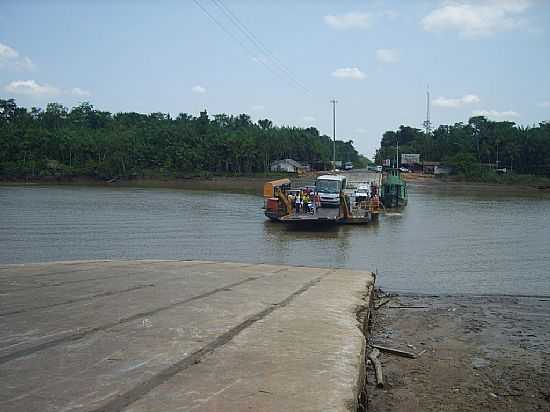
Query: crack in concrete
[121, 401]
[122, 264]
[80, 299]
[86, 332]
[70, 282]
[35, 275]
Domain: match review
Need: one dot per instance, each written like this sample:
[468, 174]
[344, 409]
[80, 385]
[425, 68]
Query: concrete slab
[201, 335]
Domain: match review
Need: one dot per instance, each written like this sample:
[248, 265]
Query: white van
[329, 187]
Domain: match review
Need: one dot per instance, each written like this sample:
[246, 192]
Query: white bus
[329, 187]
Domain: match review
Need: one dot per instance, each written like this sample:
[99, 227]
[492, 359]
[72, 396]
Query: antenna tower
[427, 124]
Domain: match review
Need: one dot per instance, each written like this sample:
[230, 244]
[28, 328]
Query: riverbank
[475, 353]
[525, 184]
[254, 184]
[235, 184]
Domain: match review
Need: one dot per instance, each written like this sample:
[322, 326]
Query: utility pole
[397, 155]
[333, 133]
[427, 123]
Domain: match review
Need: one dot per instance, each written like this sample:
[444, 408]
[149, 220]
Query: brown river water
[447, 241]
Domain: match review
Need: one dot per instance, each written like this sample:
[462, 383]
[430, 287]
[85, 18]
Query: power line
[221, 26]
[244, 45]
[260, 46]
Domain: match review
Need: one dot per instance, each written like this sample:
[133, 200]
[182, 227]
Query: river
[445, 242]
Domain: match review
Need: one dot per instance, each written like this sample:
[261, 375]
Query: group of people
[305, 201]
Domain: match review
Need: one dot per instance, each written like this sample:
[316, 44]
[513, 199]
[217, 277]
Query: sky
[285, 60]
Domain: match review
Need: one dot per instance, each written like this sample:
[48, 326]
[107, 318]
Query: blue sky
[287, 60]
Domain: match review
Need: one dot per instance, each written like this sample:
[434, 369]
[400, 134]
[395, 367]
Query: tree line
[84, 141]
[476, 148]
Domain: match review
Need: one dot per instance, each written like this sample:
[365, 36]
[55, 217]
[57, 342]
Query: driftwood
[379, 305]
[395, 351]
[373, 356]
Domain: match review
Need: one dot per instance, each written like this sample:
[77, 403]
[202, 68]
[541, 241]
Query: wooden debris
[379, 305]
[373, 357]
[395, 351]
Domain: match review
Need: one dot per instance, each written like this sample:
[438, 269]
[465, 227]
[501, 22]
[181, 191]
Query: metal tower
[427, 124]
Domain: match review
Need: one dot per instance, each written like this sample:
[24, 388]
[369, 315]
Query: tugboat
[393, 192]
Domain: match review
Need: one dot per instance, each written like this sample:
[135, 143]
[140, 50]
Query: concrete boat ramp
[180, 335]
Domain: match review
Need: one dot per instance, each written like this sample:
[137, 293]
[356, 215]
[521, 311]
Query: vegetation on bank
[540, 182]
[84, 141]
[476, 149]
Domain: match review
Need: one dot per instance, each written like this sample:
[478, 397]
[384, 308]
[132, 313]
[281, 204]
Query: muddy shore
[254, 184]
[235, 184]
[475, 353]
[461, 186]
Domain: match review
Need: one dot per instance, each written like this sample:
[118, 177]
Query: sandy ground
[475, 354]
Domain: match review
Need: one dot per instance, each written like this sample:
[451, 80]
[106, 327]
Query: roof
[331, 177]
[269, 187]
[291, 162]
[426, 163]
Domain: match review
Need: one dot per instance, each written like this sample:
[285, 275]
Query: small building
[289, 166]
[411, 161]
[442, 170]
[429, 167]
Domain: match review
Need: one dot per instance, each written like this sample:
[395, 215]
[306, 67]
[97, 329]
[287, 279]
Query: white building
[287, 165]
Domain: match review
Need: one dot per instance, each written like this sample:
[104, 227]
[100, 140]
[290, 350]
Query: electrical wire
[257, 43]
[282, 75]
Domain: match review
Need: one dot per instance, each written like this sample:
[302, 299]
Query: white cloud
[7, 53]
[349, 73]
[77, 91]
[34, 89]
[10, 56]
[454, 103]
[477, 19]
[31, 88]
[496, 115]
[309, 119]
[198, 89]
[545, 104]
[387, 55]
[349, 21]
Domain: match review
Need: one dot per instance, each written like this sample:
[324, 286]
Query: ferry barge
[330, 202]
